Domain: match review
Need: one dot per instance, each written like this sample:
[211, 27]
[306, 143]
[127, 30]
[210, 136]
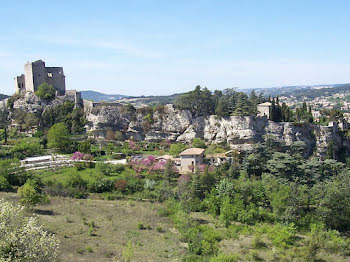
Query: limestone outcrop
[239, 132]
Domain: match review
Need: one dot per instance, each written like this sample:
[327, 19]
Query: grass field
[88, 174]
[115, 233]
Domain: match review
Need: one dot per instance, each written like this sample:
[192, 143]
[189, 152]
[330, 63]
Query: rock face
[238, 132]
[29, 103]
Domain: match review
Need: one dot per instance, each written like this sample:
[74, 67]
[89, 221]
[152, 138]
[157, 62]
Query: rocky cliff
[238, 132]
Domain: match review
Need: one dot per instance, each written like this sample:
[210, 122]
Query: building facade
[36, 73]
[264, 109]
[191, 159]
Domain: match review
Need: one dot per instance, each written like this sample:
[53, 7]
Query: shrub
[85, 147]
[79, 166]
[29, 195]
[108, 169]
[140, 226]
[101, 184]
[176, 149]
[26, 147]
[22, 239]
[76, 181]
[121, 185]
[225, 258]
[197, 142]
[4, 184]
[45, 91]
[54, 188]
[283, 236]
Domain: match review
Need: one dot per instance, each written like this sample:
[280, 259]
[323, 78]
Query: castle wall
[19, 84]
[36, 73]
[28, 76]
[39, 74]
[55, 77]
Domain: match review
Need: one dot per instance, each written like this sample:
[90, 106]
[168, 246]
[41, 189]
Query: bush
[283, 236]
[76, 181]
[108, 169]
[22, 238]
[54, 188]
[26, 147]
[46, 91]
[29, 195]
[141, 226]
[199, 143]
[85, 147]
[121, 185]
[176, 149]
[4, 184]
[101, 184]
[225, 258]
[79, 166]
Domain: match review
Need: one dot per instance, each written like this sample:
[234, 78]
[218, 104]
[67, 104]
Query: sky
[150, 47]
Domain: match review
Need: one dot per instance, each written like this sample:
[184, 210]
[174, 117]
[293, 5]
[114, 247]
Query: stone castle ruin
[36, 73]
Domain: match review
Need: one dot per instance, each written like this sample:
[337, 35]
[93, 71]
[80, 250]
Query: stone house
[264, 109]
[191, 159]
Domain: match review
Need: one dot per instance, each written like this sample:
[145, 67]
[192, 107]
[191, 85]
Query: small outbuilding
[264, 109]
[190, 159]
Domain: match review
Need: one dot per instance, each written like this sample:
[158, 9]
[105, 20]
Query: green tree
[29, 195]
[4, 123]
[176, 149]
[169, 171]
[242, 106]
[334, 202]
[199, 143]
[85, 147]
[58, 137]
[284, 166]
[46, 91]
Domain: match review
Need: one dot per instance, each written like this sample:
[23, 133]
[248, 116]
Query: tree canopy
[58, 137]
[46, 91]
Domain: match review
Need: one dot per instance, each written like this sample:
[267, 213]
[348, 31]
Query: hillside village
[225, 170]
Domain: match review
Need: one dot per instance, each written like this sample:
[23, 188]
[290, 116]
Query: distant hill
[98, 97]
[2, 97]
[299, 92]
[145, 100]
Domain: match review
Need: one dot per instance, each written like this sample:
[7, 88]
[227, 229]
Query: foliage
[176, 149]
[85, 147]
[101, 184]
[29, 195]
[198, 143]
[11, 170]
[202, 102]
[26, 147]
[45, 91]
[22, 239]
[58, 137]
[73, 118]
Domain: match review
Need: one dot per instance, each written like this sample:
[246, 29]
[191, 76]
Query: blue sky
[162, 47]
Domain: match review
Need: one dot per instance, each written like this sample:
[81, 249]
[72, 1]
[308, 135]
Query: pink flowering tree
[78, 156]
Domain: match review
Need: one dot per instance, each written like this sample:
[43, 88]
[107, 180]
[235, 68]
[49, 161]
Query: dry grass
[116, 222]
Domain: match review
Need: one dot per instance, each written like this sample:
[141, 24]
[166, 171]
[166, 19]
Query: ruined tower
[36, 73]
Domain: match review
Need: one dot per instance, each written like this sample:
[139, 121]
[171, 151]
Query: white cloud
[112, 45]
